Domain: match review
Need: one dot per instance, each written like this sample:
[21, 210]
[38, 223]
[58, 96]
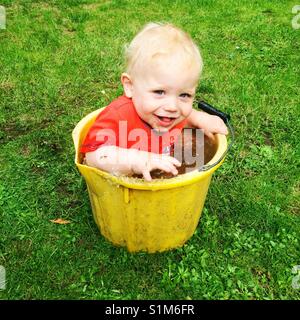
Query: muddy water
[202, 154]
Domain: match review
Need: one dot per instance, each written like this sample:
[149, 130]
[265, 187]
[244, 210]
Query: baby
[163, 70]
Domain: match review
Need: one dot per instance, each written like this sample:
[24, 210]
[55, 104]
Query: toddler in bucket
[134, 133]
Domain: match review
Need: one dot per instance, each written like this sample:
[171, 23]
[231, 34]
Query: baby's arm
[209, 123]
[120, 161]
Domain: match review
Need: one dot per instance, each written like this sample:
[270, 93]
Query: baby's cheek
[146, 109]
[151, 108]
[187, 111]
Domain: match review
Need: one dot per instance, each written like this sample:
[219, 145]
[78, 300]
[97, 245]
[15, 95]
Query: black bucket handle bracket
[206, 107]
[213, 111]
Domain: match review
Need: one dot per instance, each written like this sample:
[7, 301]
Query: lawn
[60, 60]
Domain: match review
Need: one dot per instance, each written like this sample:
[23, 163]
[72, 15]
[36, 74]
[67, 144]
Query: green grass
[60, 60]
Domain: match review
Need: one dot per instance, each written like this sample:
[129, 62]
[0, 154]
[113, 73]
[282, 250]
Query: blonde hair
[157, 41]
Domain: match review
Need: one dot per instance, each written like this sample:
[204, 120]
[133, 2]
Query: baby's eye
[159, 92]
[185, 95]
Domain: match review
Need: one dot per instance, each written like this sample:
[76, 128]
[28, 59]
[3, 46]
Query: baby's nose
[171, 105]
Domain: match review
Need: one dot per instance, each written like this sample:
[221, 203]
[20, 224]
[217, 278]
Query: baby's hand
[212, 124]
[209, 123]
[143, 162]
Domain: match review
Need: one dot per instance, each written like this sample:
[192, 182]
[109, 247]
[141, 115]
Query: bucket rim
[155, 184]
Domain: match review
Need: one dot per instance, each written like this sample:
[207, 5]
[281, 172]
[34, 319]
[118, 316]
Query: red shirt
[120, 125]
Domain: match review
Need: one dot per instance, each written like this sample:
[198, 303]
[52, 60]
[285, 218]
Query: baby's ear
[127, 84]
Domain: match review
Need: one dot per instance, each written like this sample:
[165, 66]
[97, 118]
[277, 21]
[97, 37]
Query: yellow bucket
[145, 216]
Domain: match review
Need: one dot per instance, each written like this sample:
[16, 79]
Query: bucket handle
[226, 118]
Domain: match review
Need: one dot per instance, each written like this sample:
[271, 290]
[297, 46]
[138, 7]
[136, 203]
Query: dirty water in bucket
[205, 154]
[188, 141]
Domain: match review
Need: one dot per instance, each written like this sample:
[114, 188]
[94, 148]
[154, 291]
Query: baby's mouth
[165, 121]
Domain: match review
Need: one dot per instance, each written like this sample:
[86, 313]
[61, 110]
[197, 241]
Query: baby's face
[163, 96]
